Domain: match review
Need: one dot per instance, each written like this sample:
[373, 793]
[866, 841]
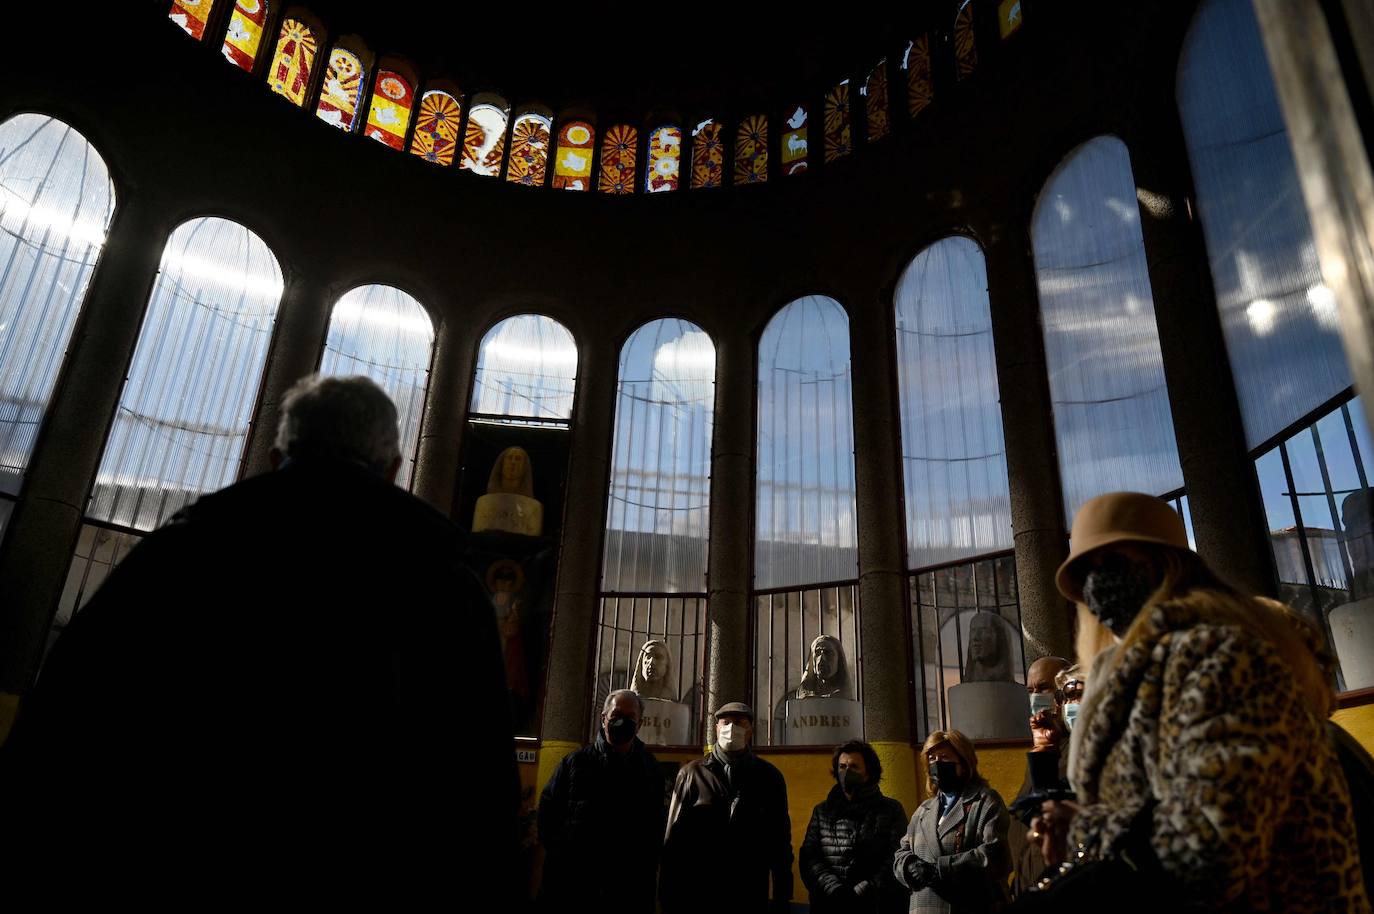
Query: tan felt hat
[1118, 517]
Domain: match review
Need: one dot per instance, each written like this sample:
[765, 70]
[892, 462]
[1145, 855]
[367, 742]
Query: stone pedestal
[511, 513]
[990, 710]
[1353, 634]
[821, 722]
[666, 723]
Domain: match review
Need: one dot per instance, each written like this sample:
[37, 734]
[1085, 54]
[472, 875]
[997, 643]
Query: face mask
[947, 777]
[1041, 701]
[620, 730]
[1116, 590]
[851, 780]
[1070, 713]
[731, 737]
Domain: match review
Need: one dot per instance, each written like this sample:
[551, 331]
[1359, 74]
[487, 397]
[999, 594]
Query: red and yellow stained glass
[436, 127]
[920, 88]
[619, 150]
[965, 47]
[389, 114]
[191, 15]
[794, 143]
[343, 89]
[572, 165]
[293, 61]
[875, 102]
[751, 150]
[1009, 17]
[529, 150]
[665, 158]
[708, 155]
[245, 33]
[838, 141]
[484, 144]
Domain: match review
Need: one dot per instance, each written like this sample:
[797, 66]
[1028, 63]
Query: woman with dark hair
[846, 857]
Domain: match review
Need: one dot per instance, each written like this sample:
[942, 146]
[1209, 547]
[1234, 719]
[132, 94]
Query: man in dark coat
[728, 827]
[846, 857]
[279, 691]
[604, 801]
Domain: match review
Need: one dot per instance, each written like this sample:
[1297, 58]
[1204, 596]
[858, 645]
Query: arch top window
[794, 142]
[192, 15]
[293, 62]
[708, 154]
[342, 90]
[529, 149]
[665, 152]
[244, 37]
[618, 155]
[388, 115]
[572, 168]
[875, 102]
[484, 145]
[751, 150]
[526, 371]
[838, 140]
[920, 86]
[436, 127]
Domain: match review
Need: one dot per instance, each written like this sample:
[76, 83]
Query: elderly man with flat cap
[728, 828]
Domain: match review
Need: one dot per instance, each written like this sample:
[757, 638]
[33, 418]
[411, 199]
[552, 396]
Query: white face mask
[731, 737]
[1041, 701]
[1070, 713]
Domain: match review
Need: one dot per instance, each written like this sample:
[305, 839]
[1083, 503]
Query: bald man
[1048, 733]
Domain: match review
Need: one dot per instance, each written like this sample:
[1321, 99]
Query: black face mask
[620, 730]
[947, 777]
[851, 780]
[1116, 590]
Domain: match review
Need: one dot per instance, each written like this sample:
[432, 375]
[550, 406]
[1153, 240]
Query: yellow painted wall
[1359, 723]
[1004, 768]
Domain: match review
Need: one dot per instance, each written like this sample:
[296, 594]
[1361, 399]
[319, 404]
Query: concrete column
[568, 687]
[1037, 502]
[441, 430]
[1228, 516]
[37, 548]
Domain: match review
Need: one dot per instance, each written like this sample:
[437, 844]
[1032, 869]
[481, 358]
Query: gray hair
[610, 701]
[348, 418]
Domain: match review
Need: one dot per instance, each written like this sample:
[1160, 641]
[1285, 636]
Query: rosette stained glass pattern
[665, 155]
[289, 75]
[793, 145]
[708, 155]
[920, 87]
[389, 114]
[343, 89]
[572, 164]
[965, 47]
[191, 16]
[838, 140]
[618, 152]
[751, 150]
[875, 102]
[245, 33]
[436, 127]
[484, 145]
[529, 150]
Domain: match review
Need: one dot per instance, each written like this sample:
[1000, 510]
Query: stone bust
[988, 658]
[509, 504]
[654, 671]
[827, 672]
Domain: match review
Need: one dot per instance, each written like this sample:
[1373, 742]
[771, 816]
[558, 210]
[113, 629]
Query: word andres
[818, 720]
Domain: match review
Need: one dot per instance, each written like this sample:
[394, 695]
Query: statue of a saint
[509, 504]
[653, 671]
[827, 673]
[989, 656]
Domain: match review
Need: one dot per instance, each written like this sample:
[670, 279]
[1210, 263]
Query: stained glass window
[665, 152]
[572, 165]
[965, 47]
[184, 413]
[342, 90]
[794, 142]
[708, 155]
[1111, 409]
[529, 150]
[954, 461]
[751, 150]
[289, 75]
[804, 503]
[245, 33]
[384, 333]
[526, 368]
[192, 15]
[389, 114]
[484, 146]
[875, 102]
[837, 134]
[1280, 319]
[1009, 17]
[56, 199]
[436, 127]
[920, 87]
[618, 152]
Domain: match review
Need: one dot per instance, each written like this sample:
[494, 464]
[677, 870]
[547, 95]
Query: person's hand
[1051, 829]
[919, 873]
[1047, 730]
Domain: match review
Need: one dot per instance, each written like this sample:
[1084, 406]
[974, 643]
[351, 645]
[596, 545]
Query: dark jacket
[726, 838]
[846, 857]
[600, 805]
[294, 684]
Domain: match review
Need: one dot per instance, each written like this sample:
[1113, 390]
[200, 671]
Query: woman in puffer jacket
[846, 857]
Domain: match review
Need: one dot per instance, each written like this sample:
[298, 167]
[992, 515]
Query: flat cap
[735, 707]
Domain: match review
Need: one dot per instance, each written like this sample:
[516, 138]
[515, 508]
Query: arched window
[1111, 409]
[384, 333]
[293, 61]
[192, 15]
[920, 86]
[56, 199]
[708, 155]
[484, 146]
[388, 115]
[185, 410]
[665, 152]
[244, 37]
[436, 127]
[751, 150]
[526, 368]
[618, 152]
[838, 140]
[965, 44]
[794, 142]
[875, 102]
[572, 166]
[529, 149]
[342, 90]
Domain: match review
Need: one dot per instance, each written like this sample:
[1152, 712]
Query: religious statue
[653, 671]
[509, 504]
[827, 673]
[989, 656]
